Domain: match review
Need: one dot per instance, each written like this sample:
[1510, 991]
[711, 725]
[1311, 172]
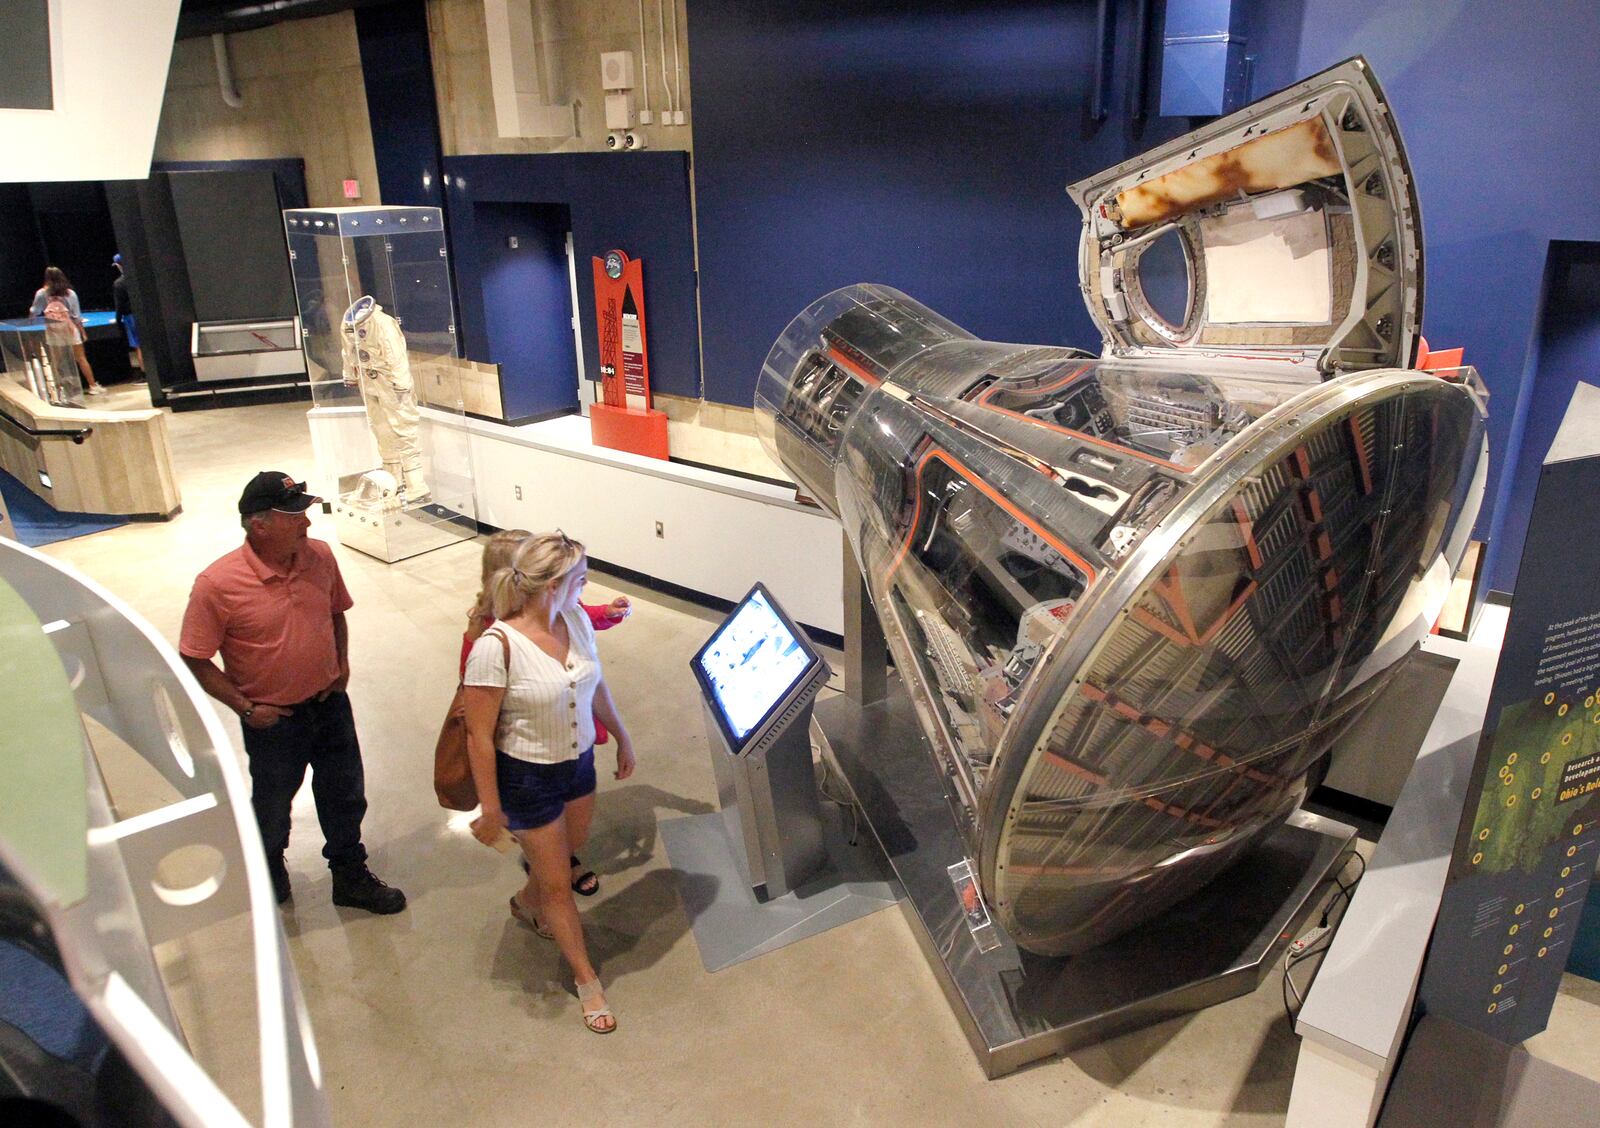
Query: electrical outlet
[1308, 939]
[519, 492]
[661, 531]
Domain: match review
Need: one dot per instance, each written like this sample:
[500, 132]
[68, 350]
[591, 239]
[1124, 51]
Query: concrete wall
[581, 30]
[303, 97]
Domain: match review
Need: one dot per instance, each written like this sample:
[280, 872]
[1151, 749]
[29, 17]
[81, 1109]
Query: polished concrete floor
[450, 1013]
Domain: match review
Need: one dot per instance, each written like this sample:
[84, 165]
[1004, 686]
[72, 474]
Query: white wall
[109, 62]
[721, 533]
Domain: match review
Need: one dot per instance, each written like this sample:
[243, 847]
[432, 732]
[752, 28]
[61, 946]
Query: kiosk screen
[751, 664]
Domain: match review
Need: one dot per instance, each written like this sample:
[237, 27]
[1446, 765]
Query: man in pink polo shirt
[274, 608]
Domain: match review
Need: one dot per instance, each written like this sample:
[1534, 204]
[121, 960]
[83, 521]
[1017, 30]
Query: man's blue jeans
[320, 735]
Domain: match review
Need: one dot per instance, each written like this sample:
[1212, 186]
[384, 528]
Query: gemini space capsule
[1135, 597]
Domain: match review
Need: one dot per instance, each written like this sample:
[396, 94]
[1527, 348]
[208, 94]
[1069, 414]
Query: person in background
[533, 687]
[57, 302]
[497, 554]
[274, 608]
[124, 308]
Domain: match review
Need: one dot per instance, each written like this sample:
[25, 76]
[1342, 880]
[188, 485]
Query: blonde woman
[497, 553]
[530, 739]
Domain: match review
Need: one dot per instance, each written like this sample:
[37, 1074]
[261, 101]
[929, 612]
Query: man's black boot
[280, 877]
[356, 887]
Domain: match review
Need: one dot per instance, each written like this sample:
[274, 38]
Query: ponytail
[539, 561]
[505, 595]
[497, 554]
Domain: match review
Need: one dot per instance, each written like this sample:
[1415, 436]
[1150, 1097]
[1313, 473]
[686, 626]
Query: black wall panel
[233, 242]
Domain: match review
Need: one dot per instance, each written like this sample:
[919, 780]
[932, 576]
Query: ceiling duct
[522, 70]
[224, 17]
[1205, 70]
[83, 100]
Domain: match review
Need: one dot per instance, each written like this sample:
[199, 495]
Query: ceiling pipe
[1141, 59]
[645, 115]
[227, 85]
[196, 22]
[1105, 34]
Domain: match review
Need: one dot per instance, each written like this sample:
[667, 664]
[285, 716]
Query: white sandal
[588, 992]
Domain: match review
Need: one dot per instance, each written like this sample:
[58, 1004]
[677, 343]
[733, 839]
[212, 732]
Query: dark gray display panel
[25, 56]
[231, 224]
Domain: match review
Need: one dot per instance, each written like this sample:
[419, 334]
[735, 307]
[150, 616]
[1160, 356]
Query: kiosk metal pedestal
[769, 801]
[771, 867]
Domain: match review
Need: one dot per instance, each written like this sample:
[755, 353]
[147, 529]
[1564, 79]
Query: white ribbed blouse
[547, 715]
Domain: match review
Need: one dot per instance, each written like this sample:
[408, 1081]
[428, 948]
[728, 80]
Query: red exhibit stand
[625, 420]
[630, 429]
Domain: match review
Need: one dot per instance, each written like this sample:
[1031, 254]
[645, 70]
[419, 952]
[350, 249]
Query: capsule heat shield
[1132, 603]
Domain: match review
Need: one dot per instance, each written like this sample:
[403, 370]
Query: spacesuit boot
[413, 484]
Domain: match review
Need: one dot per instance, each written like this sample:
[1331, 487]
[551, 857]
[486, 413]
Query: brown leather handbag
[452, 771]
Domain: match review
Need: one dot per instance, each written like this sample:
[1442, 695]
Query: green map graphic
[1520, 812]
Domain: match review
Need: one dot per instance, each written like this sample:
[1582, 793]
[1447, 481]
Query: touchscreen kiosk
[759, 676]
[754, 664]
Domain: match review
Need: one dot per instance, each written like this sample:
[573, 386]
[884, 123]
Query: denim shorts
[534, 795]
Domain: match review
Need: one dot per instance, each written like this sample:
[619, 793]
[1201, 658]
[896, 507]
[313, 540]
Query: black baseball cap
[273, 489]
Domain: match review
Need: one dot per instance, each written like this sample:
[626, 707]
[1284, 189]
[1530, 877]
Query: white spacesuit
[374, 357]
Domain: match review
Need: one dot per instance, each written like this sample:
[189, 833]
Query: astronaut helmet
[376, 487]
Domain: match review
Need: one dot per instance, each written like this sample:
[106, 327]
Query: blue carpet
[36, 522]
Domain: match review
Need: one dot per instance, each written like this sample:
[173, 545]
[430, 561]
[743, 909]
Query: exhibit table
[105, 346]
[86, 461]
[98, 324]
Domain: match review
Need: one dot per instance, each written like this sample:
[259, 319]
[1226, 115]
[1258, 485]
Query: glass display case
[378, 327]
[38, 355]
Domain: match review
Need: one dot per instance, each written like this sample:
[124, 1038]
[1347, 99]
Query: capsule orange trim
[993, 495]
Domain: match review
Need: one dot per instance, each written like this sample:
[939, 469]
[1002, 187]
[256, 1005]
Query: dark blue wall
[397, 71]
[638, 202]
[1495, 101]
[22, 255]
[927, 146]
[75, 231]
[1566, 350]
[527, 306]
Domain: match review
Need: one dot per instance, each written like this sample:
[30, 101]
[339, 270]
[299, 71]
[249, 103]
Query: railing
[76, 434]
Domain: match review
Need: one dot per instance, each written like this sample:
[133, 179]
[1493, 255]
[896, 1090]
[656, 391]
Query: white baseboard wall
[720, 533]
